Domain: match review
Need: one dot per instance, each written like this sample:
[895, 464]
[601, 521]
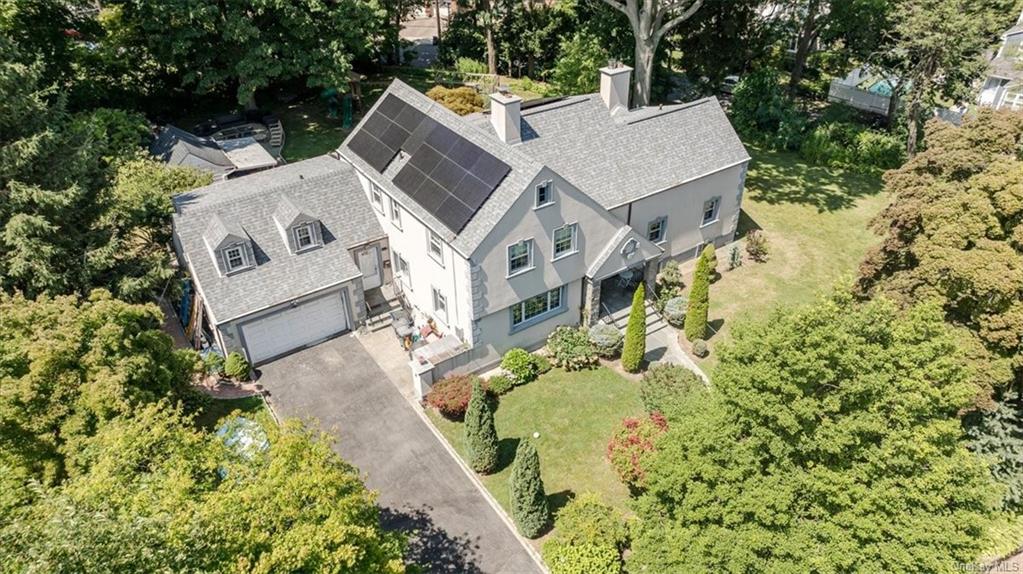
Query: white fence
[857, 98]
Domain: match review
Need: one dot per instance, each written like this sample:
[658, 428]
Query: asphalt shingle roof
[328, 187]
[175, 146]
[622, 157]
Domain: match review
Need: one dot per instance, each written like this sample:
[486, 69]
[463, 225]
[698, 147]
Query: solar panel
[370, 149]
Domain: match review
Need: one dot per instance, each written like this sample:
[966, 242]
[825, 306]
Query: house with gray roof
[1003, 88]
[224, 159]
[491, 229]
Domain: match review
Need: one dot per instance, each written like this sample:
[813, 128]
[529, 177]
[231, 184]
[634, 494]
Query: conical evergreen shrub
[699, 298]
[480, 434]
[528, 499]
[635, 332]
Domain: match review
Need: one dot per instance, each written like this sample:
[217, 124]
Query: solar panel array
[446, 174]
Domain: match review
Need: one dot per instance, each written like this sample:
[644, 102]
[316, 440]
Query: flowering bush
[570, 349]
[450, 396]
[631, 442]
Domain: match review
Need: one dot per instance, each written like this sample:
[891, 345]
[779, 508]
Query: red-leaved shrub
[450, 396]
[633, 440]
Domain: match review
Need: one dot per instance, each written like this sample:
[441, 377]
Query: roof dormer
[229, 246]
[300, 230]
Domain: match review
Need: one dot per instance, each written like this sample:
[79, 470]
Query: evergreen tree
[635, 332]
[699, 298]
[528, 499]
[480, 434]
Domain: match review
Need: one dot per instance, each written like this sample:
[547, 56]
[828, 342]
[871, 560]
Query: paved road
[421, 487]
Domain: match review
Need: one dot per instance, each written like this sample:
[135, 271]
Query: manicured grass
[816, 223]
[575, 414]
[220, 408]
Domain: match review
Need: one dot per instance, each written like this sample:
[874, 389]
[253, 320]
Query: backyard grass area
[220, 408]
[575, 414]
[816, 223]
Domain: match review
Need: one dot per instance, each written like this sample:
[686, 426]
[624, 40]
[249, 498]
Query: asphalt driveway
[422, 488]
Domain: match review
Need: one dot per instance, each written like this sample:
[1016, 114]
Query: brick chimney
[614, 85]
[506, 115]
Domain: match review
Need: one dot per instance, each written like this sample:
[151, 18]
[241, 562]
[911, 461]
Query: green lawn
[575, 414]
[816, 223]
[220, 408]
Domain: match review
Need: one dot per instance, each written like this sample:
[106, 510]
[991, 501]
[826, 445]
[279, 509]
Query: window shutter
[222, 260]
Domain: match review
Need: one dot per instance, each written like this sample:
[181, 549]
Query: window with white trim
[537, 306]
[395, 213]
[403, 269]
[440, 304]
[303, 237]
[710, 210]
[564, 240]
[657, 229]
[545, 193]
[234, 258]
[376, 197]
[520, 257]
[436, 246]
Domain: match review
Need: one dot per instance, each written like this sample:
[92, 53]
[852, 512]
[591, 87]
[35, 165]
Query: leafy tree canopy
[832, 442]
[954, 233]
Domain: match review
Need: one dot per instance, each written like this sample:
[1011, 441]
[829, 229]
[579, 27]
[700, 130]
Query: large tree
[831, 442]
[953, 233]
[650, 21]
[247, 45]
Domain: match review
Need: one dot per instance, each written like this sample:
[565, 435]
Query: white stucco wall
[683, 205]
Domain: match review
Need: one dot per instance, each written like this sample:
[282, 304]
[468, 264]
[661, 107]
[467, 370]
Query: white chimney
[506, 116]
[614, 86]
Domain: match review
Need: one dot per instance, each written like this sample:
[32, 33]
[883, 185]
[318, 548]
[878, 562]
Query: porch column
[650, 276]
[591, 301]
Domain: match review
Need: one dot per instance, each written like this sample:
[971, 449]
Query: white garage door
[295, 327]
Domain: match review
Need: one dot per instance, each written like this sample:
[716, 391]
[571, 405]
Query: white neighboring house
[498, 226]
[1003, 88]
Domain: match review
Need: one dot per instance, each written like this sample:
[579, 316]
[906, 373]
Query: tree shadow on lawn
[783, 177]
[557, 500]
[431, 547]
[506, 448]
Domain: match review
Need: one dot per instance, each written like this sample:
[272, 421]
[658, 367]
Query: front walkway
[421, 486]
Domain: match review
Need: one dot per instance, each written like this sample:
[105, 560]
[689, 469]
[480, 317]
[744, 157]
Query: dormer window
[299, 228]
[228, 245]
[234, 258]
[304, 237]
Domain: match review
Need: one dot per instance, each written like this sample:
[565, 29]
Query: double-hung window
[710, 210]
[564, 240]
[303, 237]
[403, 270]
[395, 213]
[545, 193]
[520, 257]
[440, 304]
[537, 306]
[377, 197]
[234, 258]
[657, 230]
[436, 245]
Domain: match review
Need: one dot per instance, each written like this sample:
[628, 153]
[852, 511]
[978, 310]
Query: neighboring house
[1003, 88]
[225, 159]
[498, 227]
[273, 256]
[864, 90]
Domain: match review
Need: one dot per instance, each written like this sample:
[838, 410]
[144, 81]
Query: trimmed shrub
[606, 339]
[878, 149]
[563, 558]
[675, 311]
[631, 443]
[734, 258]
[213, 363]
[520, 365]
[700, 348]
[450, 396]
[543, 364]
[665, 386]
[462, 100]
[635, 333]
[756, 246]
[699, 298]
[528, 499]
[500, 384]
[587, 520]
[236, 367]
[480, 434]
[570, 349]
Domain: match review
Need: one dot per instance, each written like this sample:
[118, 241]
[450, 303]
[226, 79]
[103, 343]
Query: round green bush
[570, 349]
[520, 366]
[450, 396]
[700, 348]
[500, 384]
[606, 339]
[675, 311]
[587, 520]
[236, 367]
[599, 558]
[665, 386]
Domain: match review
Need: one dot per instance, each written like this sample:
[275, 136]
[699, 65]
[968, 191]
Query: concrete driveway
[422, 488]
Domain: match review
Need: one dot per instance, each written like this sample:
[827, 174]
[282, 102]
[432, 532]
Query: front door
[369, 264]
